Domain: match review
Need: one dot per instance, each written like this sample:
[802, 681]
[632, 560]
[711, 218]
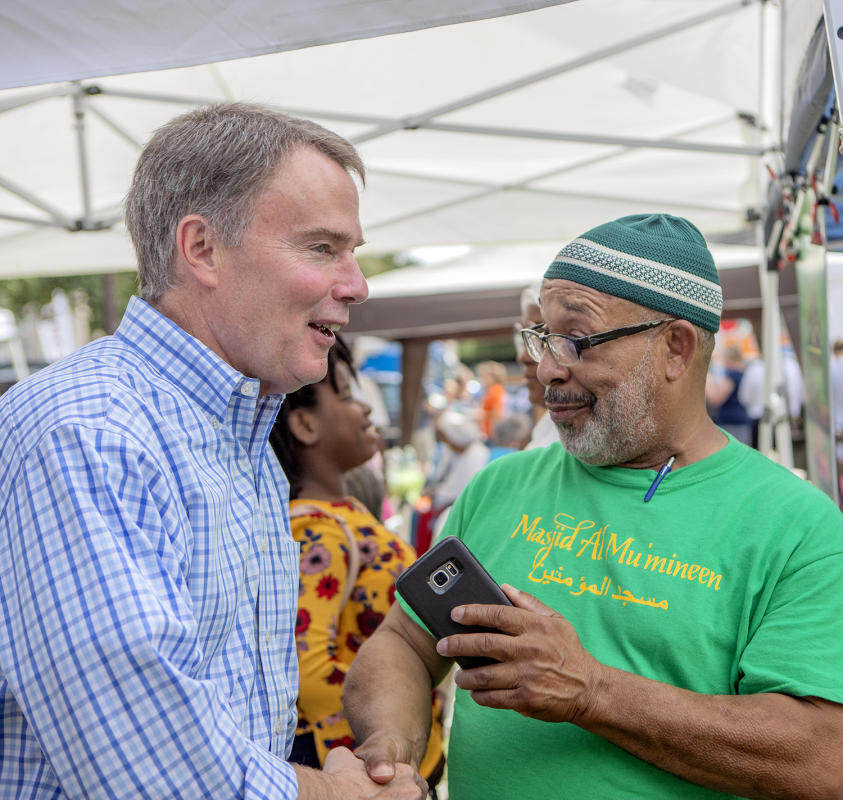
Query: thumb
[380, 754]
[527, 601]
[379, 768]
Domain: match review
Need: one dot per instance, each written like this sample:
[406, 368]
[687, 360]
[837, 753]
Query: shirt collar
[211, 382]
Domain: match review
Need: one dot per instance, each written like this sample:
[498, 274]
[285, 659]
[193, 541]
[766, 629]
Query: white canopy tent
[526, 127]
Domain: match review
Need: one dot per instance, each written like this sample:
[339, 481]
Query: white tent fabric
[529, 127]
[44, 41]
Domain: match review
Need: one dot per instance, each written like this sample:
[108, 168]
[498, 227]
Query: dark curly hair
[287, 448]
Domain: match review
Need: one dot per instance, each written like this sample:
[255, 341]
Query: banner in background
[811, 279]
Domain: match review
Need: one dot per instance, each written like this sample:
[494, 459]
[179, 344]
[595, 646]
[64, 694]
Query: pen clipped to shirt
[660, 476]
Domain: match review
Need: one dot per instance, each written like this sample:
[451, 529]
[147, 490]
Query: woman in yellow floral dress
[349, 560]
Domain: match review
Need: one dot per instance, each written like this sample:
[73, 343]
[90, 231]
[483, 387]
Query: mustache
[556, 396]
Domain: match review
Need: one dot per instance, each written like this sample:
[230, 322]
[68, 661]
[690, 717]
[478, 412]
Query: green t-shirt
[729, 581]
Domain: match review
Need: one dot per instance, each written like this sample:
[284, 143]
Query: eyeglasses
[518, 339]
[567, 350]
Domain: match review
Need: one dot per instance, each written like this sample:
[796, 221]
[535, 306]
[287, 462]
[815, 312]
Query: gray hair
[512, 431]
[530, 297]
[213, 161]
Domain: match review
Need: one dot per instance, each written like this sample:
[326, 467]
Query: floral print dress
[328, 632]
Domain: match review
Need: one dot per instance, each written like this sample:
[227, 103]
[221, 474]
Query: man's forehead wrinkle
[578, 299]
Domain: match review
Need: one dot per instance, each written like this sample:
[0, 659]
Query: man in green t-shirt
[683, 632]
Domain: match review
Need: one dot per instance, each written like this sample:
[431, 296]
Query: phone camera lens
[440, 577]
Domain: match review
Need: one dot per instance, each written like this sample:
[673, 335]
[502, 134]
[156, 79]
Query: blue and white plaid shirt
[148, 579]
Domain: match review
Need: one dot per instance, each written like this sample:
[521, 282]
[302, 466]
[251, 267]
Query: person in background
[492, 376]
[751, 391]
[510, 435]
[366, 483]
[463, 455]
[544, 431]
[721, 394]
[681, 636]
[148, 576]
[349, 561]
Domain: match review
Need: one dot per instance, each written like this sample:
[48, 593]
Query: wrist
[594, 695]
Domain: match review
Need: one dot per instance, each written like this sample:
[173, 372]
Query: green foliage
[17, 293]
[492, 348]
[108, 295]
[374, 265]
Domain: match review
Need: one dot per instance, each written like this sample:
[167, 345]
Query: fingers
[509, 619]
[350, 779]
[505, 624]
[527, 601]
[498, 646]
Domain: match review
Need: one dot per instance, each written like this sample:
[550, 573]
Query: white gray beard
[620, 425]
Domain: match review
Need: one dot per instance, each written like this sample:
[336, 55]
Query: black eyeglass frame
[530, 335]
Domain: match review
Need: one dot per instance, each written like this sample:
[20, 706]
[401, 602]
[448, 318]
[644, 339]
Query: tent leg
[774, 434]
[413, 362]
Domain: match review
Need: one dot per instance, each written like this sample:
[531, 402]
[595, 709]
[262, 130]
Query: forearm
[758, 746]
[378, 705]
[401, 708]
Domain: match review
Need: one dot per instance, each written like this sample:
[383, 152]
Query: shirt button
[249, 389]
[279, 728]
[215, 423]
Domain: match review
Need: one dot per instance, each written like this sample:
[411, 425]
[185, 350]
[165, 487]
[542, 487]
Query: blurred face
[283, 293]
[605, 407]
[346, 434]
[535, 390]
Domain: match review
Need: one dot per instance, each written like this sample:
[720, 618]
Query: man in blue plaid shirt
[148, 579]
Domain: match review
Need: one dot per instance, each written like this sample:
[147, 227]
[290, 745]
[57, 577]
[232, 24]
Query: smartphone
[449, 575]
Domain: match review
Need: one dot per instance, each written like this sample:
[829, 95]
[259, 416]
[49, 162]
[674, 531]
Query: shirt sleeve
[804, 609]
[324, 575]
[99, 645]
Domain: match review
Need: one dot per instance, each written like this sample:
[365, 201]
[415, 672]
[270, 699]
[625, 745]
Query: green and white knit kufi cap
[656, 260]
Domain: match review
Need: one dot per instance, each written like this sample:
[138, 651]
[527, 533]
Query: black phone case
[475, 585]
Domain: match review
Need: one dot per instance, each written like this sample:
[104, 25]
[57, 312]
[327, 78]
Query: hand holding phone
[446, 576]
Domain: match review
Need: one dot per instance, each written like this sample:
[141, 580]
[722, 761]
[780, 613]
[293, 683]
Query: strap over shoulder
[313, 510]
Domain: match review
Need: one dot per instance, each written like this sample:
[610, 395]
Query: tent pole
[774, 433]
[82, 152]
[413, 362]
